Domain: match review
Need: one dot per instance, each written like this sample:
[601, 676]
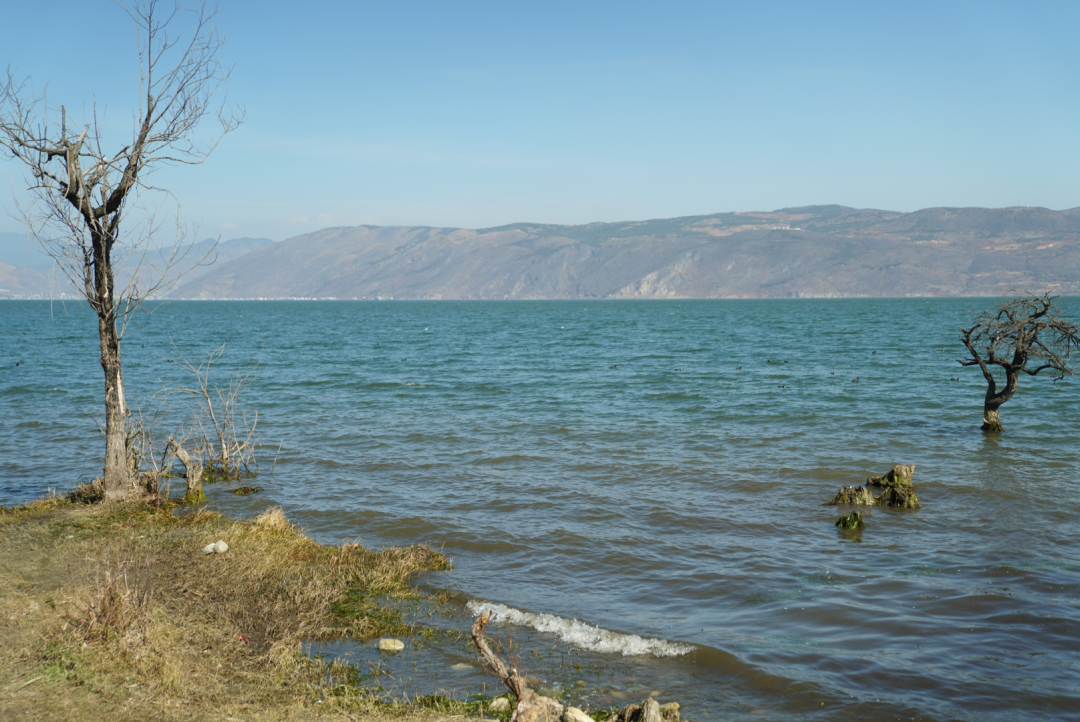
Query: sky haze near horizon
[478, 114]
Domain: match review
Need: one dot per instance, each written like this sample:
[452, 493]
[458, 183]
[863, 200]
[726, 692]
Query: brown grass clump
[272, 519]
[115, 613]
[119, 598]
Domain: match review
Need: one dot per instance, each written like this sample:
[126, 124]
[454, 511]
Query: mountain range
[40, 279]
[814, 251]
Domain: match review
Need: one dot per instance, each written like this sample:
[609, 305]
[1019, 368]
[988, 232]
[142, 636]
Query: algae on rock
[858, 495]
[898, 497]
[899, 475]
[853, 520]
[897, 490]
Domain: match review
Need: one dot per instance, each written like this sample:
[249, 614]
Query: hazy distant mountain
[31, 281]
[20, 282]
[811, 251]
[197, 259]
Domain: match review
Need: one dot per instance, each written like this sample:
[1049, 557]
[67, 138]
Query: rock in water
[900, 497]
[899, 475]
[499, 704]
[573, 714]
[670, 712]
[897, 490]
[853, 495]
[391, 645]
[853, 520]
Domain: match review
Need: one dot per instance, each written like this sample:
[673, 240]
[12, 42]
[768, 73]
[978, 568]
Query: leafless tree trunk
[80, 193]
[193, 494]
[1024, 335]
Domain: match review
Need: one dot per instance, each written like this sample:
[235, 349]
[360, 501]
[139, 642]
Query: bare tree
[84, 198]
[223, 431]
[1024, 335]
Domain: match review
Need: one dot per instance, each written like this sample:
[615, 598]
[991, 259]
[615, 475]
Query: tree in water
[1024, 335]
[83, 196]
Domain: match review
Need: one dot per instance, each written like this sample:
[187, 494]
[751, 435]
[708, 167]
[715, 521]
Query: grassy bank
[115, 613]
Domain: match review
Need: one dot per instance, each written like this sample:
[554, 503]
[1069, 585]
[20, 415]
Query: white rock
[461, 667]
[221, 547]
[209, 548]
[573, 714]
[499, 704]
[391, 645]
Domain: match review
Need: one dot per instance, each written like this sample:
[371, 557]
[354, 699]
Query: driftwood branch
[532, 707]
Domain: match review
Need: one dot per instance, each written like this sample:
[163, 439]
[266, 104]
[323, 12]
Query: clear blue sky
[478, 114]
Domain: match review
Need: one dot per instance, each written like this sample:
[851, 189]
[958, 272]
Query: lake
[637, 488]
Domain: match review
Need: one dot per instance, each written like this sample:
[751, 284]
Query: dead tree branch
[531, 707]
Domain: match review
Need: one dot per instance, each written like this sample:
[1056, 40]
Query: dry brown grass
[115, 613]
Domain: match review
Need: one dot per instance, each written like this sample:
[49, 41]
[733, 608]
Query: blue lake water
[637, 487]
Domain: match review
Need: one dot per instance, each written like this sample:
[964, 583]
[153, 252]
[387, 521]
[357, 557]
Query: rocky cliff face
[813, 251]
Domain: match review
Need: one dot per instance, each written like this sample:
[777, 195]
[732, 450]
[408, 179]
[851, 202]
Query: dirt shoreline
[115, 613]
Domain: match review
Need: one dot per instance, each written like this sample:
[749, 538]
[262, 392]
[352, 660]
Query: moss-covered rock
[853, 520]
[858, 495]
[899, 475]
[900, 497]
[896, 490]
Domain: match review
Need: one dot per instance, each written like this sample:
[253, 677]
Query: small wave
[580, 634]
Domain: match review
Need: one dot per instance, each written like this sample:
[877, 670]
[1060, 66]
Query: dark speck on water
[682, 509]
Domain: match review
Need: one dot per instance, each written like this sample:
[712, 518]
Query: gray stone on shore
[650, 711]
[218, 547]
[391, 645]
[499, 704]
[573, 714]
[670, 712]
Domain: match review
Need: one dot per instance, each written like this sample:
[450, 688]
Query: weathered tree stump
[194, 493]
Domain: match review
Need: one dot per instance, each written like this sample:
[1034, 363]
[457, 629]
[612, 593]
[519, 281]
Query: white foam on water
[580, 634]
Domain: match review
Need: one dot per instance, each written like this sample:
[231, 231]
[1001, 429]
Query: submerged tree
[83, 198]
[1024, 335]
[223, 431]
